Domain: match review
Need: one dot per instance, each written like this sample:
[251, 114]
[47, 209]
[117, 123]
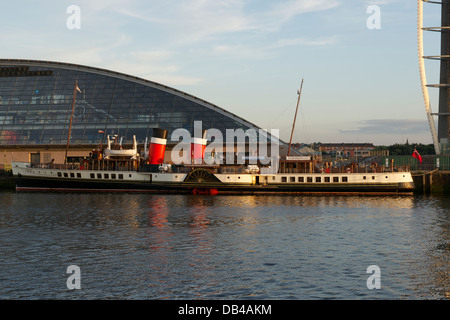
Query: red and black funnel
[198, 146]
[157, 146]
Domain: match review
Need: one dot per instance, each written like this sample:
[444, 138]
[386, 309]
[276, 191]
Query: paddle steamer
[127, 171]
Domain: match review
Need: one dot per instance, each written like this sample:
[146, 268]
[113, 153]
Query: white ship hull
[202, 180]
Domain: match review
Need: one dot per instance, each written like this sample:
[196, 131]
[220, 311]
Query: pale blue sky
[249, 56]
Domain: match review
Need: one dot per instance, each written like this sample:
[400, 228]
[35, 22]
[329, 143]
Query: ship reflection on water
[217, 236]
[225, 247]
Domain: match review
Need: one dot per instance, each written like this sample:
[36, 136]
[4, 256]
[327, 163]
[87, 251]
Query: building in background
[347, 149]
[36, 107]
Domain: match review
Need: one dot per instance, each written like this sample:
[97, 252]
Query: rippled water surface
[139, 246]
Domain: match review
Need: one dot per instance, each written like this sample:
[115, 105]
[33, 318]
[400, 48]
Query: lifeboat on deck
[119, 152]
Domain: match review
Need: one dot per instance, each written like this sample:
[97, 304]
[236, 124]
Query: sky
[359, 65]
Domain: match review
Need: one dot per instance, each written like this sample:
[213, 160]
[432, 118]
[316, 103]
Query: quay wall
[432, 182]
[6, 180]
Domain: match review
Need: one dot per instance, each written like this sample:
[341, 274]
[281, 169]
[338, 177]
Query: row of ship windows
[318, 179]
[93, 176]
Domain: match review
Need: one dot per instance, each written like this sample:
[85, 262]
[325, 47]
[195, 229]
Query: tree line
[407, 149]
[398, 149]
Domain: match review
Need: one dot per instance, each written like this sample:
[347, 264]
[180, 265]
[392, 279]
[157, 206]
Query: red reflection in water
[158, 213]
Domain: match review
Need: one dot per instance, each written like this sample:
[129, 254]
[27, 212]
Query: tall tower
[444, 97]
[441, 138]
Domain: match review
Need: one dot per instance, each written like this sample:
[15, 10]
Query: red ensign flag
[417, 156]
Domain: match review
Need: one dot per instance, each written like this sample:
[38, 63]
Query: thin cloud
[302, 41]
[390, 126]
[265, 51]
[154, 65]
[198, 20]
[99, 6]
[156, 39]
[289, 9]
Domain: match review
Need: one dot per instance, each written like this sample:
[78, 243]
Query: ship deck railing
[128, 166]
[347, 170]
[87, 166]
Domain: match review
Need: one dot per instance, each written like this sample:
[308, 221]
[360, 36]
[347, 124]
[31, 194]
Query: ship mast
[71, 118]
[295, 117]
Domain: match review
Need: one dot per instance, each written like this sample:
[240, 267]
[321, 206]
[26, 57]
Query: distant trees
[397, 149]
[408, 149]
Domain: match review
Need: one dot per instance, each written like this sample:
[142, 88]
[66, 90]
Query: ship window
[344, 179]
[292, 179]
[113, 176]
[120, 176]
[99, 175]
[59, 174]
[106, 176]
[335, 179]
[78, 175]
[318, 179]
[72, 175]
[373, 177]
[283, 179]
[92, 176]
[301, 179]
[309, 179]
[327, 179]
[65, 175]
[364, 177]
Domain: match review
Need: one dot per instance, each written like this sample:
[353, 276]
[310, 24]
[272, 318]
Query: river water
[140, 246]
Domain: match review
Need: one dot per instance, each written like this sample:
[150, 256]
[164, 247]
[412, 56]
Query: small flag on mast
[417, 155]
[78, 89]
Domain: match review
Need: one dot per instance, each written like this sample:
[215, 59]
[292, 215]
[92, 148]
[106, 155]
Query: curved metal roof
[123, 76]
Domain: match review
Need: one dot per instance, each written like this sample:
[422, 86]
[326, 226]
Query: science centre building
[39, 116]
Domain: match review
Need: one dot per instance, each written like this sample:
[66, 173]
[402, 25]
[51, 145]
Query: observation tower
[441, 137]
